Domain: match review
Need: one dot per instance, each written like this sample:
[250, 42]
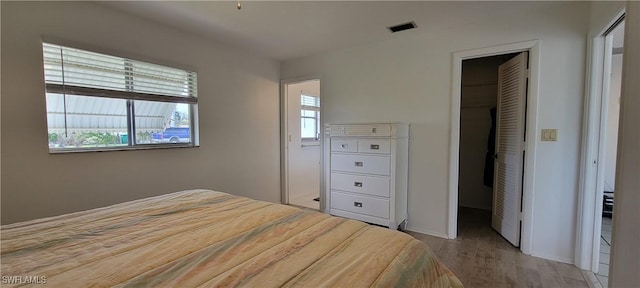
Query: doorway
[478, 123]
[607, 142]
[530, 128]
[301, 122]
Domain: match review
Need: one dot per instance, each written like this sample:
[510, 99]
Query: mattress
[203, 238]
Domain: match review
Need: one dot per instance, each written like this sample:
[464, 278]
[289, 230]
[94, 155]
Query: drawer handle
[375, 147]
[357, 204]
[344, 146]
[359, 164]
[357, 184]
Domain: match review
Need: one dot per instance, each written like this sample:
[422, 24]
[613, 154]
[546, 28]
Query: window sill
[121, 148]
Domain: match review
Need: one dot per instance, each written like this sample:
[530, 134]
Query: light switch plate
[549, 135]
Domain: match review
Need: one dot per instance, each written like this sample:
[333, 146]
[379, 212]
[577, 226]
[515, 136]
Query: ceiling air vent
[402, 27]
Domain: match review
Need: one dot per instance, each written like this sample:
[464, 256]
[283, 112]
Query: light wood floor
[480, 257]
[304, 199]
[605, 250]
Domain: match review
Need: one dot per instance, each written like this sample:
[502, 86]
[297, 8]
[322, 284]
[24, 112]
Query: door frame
[587, 251]
[284, 129]
[533, 47]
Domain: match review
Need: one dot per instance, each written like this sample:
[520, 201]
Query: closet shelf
[480, 84]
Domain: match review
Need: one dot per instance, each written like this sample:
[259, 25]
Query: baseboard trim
[427, 232]
[553, 258]
[591, 279]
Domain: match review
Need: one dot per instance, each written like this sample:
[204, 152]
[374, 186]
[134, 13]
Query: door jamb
[588, 228]
[284, 156]
[533, 46]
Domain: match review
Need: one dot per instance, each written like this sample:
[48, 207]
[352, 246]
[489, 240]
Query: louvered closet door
[507, 188]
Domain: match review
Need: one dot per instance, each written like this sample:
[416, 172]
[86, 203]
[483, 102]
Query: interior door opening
[479, 175]
[607, 141]
[302, 132]
[532, 48]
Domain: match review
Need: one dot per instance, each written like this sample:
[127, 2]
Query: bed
[206, 238]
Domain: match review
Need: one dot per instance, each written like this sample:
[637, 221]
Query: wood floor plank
[528, 277]
[506, 255]
[480, 258]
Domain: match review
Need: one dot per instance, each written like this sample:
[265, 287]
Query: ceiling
[285, 30]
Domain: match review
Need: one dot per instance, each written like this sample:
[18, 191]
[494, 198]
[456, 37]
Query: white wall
[304, 162]
[238, 104]
[625, 249]
[601, 13]
[408, 78]
[613, 115]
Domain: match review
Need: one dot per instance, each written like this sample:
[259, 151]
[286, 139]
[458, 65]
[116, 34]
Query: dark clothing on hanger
[491, 150]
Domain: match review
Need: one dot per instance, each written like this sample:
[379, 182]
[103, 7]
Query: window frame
[316, 109]
[131, 96]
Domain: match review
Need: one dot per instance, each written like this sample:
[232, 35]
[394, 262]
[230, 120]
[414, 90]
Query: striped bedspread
[202, 238]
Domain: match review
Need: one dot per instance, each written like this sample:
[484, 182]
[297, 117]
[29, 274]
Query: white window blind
[103, 102]
[310, 117]
[74, 71]
[310, 102]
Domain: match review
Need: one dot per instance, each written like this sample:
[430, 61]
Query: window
[101, 102]
[310, 117]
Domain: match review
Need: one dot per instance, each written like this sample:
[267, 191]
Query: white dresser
[366, 169]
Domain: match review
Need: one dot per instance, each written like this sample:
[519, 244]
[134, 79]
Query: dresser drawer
[360, 204]
[371, 164]
[383, 130]
[344, 145]
[379, 146]
[371, 185]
